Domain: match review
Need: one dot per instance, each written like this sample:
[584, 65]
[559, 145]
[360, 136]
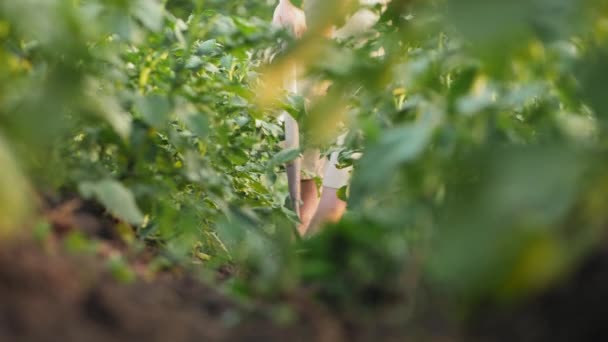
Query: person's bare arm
[289, 16]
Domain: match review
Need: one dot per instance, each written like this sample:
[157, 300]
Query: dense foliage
[481, 124]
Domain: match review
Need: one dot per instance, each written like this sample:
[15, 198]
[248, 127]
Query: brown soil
[47, 294]
[56, 297]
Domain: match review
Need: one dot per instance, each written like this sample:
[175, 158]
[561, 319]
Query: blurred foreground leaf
[16, 197]
[115, 197]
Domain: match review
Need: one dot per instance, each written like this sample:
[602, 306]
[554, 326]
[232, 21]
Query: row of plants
[480, 122]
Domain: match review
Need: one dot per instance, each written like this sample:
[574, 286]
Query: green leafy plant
[481, 125]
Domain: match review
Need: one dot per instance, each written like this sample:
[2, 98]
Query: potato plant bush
[481, 125]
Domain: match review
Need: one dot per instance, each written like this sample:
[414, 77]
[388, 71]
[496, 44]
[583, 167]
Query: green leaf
[198, 123]
[77, 242]
[115, 197]
[207, 47]
[154, 109]
[110, 109]
[342, 193]
[490, 19]
[15, 197]
[397, 146]
[283, 157]
[194, 63]
[227, 61]
[295, 105]
[120, 269]
[150, 13]
[591, 73]
[518, 198]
